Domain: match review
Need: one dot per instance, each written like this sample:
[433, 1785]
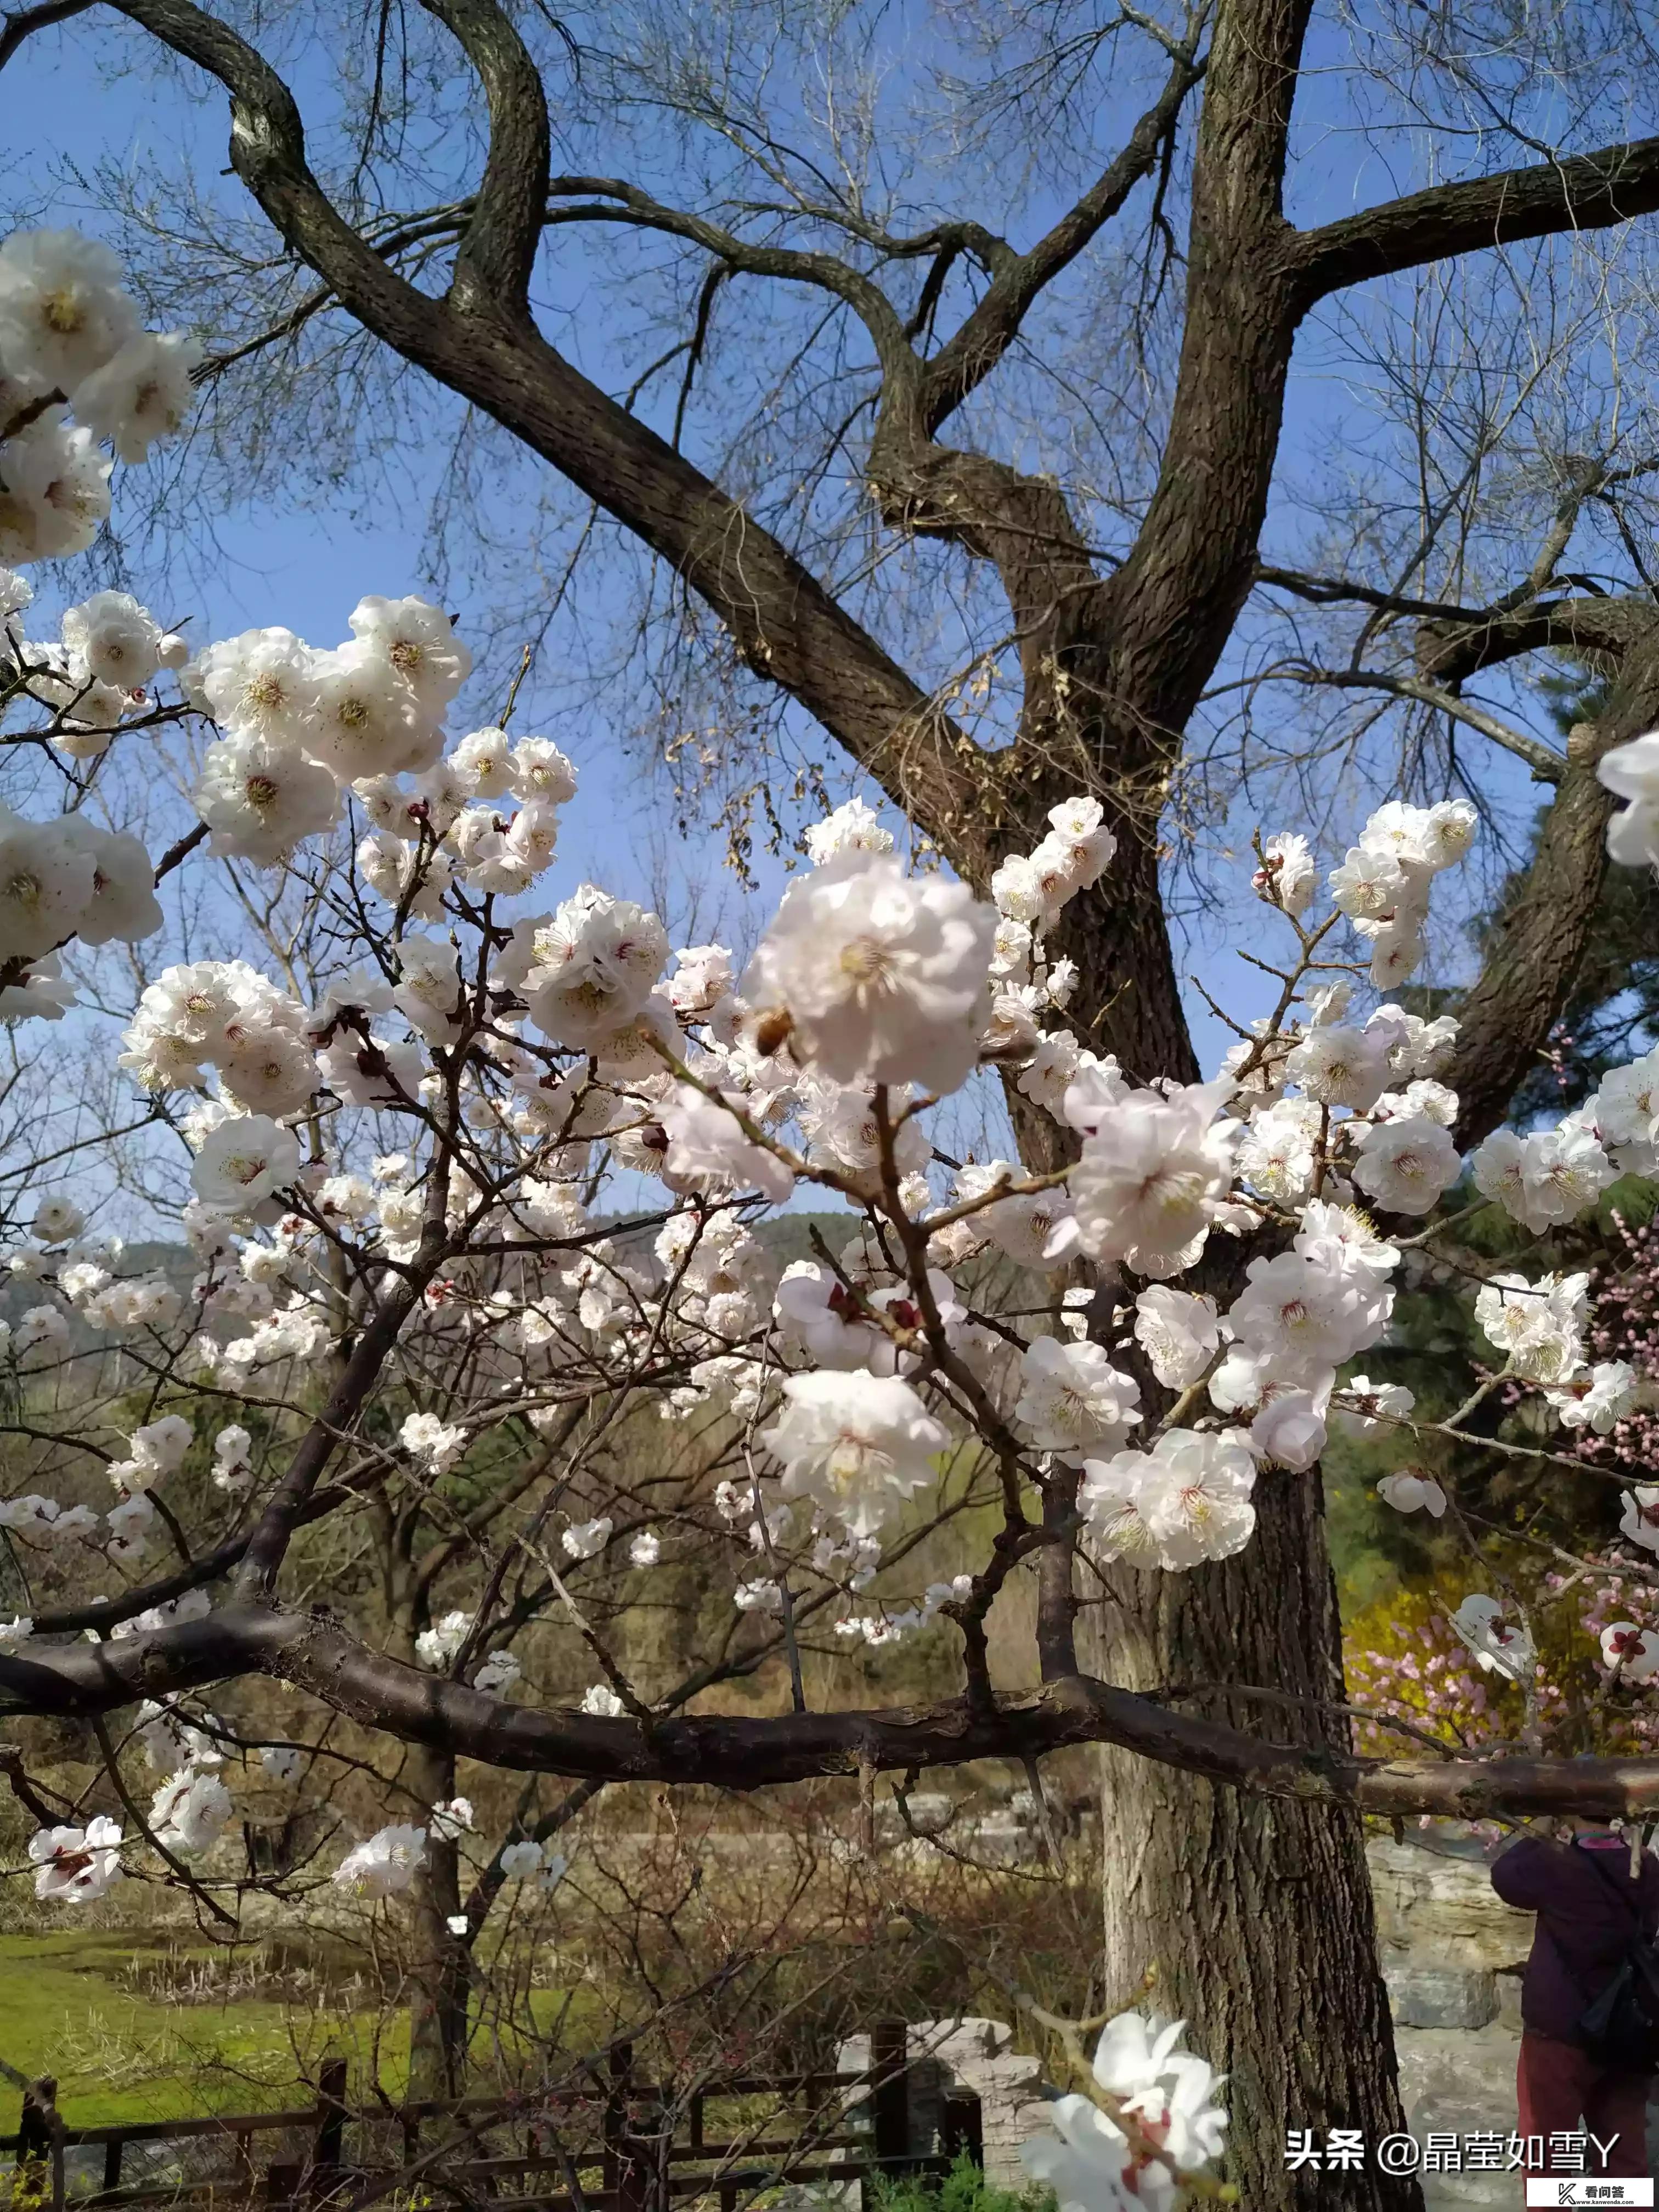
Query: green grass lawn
[69, 2007]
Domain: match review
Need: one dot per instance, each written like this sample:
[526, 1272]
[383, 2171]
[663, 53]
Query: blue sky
[305, 571]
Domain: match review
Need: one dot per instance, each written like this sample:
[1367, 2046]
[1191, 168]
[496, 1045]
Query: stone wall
[1452, 1953]
[972, 2058]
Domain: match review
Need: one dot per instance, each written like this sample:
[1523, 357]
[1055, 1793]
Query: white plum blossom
[1538, 1324]
[853, 828]
[815, 1311]
[1288, 1428]
[1501, 1647]
[1411, 1490]
[1631, 772]
[760, 1596]
[586, 970]
[142, 393]
[261, 798]
[438, 1647]
[57, 490]
[702, 984]
[1085, 2161]
[1598, 1401]
[57, 1221]
[857, 1445]
[365, 720]
[1640, 1519]
[1341, 1065]
[75, 1865]
[160, 1446]
[1179, 1331]
[1364, 1408]
[1404, 1166]
[1635, 1655]
[1289, 875]
[877, 977]
[1149, 1179]
[189, 1812]
[1547, 1176]
[585, 1539]
[1186, 1499]
[1056, 1056]
[243, 1162]
[417, 640]
[436, 1444]
[1307, 1315]
[541, 772]
[1623, 1113]
[1073, 1401]
[1165, 2092]
[452, 1819]
[384, 1864]
[499, 1676]
[600, 1702]
[64, 307]
[1278, 1153]
[707, 1149]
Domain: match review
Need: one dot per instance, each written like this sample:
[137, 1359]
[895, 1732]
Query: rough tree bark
[1254, 1918]
[1255, 1911]
[438, 1970]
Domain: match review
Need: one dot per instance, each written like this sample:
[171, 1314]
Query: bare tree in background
[993, 580]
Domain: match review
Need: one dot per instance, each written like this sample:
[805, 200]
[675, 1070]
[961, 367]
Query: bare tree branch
[980, 342]
[1546, 765]
[1584, 192]
[22, 23]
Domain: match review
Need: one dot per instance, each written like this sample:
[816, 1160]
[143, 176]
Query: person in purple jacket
[1579, 1890]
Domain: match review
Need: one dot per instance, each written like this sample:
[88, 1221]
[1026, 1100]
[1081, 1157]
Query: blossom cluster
[416, 1150]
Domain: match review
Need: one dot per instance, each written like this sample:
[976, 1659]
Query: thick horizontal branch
[23, 23]
[313, 1653]
[1604, 627]
[1586, 191]
[1348, 590]
[752, 258]
[1454, 641]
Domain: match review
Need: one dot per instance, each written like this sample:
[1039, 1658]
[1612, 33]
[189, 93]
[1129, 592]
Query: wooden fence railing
[614, 2144]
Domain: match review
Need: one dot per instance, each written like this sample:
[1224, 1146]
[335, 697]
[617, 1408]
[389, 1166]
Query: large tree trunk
[438, 1967]
[1254, 1914]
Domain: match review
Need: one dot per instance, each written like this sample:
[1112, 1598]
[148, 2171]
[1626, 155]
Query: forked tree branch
[980, 342]
[1547, 765]
[789, 629]
[22, 23]
[1536, 942]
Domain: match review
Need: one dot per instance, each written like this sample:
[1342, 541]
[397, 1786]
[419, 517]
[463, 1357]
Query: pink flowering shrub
[1404, 1662]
